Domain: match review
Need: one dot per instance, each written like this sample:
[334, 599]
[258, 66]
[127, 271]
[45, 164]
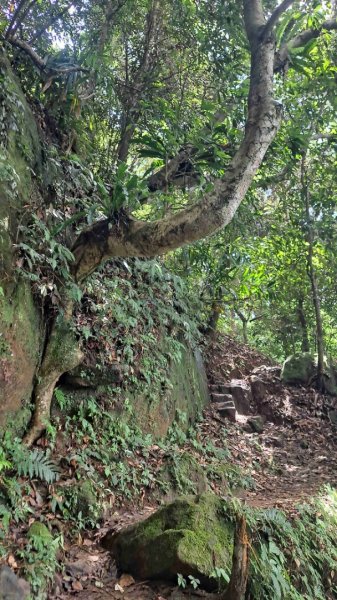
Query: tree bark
[313, 279]
[303, 324]
[62, 354]
[239, 576]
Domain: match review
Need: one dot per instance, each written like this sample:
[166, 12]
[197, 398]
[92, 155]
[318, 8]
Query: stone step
[229, 412]
[221, 398]
[220, 388]
[223, 405]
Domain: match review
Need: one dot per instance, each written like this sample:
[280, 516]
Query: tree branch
[40, 62]
[16, 13]
[132, 108]
[124, 236]
[300, 40]
[254, 19]
[274, 17]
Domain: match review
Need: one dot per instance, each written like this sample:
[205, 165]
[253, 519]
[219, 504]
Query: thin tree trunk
[214, 319]
[239, 576]
[303, 324]
[313, 279]
[245, 331]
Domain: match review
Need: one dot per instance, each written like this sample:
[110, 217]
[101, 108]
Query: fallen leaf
[12, 562]
[126, 580]
[77, 586]
[93, 557]
[118, 588]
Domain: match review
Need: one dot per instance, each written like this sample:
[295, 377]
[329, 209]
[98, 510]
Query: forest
[168, 361]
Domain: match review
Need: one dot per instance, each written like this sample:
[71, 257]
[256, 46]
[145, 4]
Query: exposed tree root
[62, 354]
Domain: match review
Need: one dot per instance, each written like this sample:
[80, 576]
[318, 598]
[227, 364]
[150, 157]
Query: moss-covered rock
[190, 536]
[298, 368]
[187, 394]
[301, 368]
[184, 475]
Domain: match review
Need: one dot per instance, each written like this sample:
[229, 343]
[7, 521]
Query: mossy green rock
[298, 368]
[190, 536]
[39, 530]
[301, 368]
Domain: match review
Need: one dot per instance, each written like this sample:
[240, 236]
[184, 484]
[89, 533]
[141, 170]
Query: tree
[81, 66]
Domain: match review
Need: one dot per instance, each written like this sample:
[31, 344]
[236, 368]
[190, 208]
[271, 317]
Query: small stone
[256, 423]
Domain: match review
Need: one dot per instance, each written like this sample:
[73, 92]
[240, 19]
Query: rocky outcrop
[191, 536]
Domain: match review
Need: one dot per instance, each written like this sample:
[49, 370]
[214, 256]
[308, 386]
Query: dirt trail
[296, 453]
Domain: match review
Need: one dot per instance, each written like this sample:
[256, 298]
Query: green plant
[181, 580]
[39, 558]
[194, 582]
[35, 463]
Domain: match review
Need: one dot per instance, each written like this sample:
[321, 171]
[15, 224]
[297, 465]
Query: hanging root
[62, 354]
[239, 576]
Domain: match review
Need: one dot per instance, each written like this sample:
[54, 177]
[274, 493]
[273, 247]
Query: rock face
[187, 392]
[190, 536]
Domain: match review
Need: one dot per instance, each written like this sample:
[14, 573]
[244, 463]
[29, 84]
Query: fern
[36, 464]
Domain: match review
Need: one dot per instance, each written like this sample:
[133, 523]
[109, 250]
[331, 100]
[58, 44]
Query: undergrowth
[290, 559]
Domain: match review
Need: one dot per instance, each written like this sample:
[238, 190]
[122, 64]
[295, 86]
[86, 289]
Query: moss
[191, 536]
[184, 474]
[39, 530]
[86, 499]
[20, 336]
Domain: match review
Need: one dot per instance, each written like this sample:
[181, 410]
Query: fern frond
[36, 464]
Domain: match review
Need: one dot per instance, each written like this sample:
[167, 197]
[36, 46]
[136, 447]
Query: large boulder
[301, 368]
[242, 396]
[298, 368]
[190, 536]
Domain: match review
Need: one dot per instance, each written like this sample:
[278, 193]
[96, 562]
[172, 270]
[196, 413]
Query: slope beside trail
[296, 453]
[287, 463]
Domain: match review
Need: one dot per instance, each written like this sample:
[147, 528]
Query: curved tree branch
[128, 237]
